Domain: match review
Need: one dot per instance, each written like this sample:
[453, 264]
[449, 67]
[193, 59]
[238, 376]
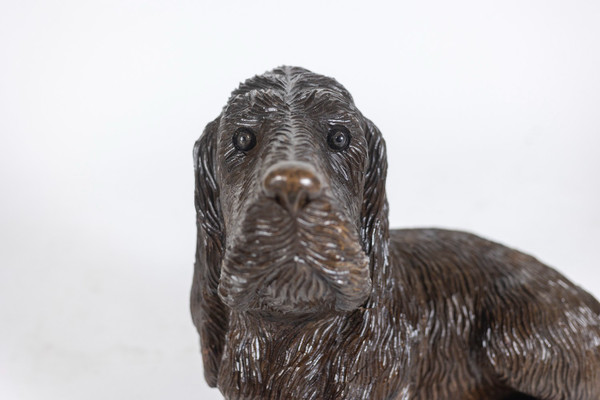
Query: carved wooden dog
[301, 291]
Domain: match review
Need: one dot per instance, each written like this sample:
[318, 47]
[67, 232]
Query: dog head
[290, 181]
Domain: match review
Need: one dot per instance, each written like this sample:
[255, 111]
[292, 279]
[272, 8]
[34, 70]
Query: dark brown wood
[301, 291]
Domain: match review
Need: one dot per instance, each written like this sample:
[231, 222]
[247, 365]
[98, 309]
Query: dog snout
[292, 184]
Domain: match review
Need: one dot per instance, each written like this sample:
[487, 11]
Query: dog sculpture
[301, 291]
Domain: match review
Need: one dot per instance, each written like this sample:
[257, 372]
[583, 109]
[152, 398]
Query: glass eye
[338, 138]
[244, 139]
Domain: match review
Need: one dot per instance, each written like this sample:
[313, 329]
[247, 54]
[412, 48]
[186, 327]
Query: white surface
[490, 112]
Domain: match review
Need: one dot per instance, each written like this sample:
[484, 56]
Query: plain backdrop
[491, 112]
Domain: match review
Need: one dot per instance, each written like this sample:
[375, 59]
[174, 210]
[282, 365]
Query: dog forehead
[288, 89]
[261, 103]
[291, 79]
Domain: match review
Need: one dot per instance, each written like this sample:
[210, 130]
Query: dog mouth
[306, 262]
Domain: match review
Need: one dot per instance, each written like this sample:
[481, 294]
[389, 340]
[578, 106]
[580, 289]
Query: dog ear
[208, 312]
[374, 215]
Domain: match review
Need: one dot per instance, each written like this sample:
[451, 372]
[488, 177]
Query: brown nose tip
[292, 184]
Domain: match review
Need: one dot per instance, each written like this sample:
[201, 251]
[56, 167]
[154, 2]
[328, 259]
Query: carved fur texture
[301, 291]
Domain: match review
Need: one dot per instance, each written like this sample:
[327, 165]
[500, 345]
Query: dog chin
[277, 307]
[281, 300]
[297, 293]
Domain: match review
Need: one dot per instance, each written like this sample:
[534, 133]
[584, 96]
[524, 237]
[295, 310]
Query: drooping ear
[374, 215]
[208, 312]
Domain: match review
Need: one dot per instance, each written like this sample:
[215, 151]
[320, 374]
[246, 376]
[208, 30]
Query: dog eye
[338, 138]
[244, 139]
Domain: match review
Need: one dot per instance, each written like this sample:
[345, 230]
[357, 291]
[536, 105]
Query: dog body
[301, 291]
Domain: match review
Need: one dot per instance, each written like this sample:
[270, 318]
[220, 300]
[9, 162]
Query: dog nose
[292, 184]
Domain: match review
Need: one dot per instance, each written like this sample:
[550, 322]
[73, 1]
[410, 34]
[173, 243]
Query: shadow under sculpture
[301, 291]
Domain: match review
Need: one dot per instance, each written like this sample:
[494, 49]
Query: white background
[490, 111]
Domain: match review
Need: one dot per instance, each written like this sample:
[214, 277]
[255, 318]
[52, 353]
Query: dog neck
[321, 358]
[325, 356]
